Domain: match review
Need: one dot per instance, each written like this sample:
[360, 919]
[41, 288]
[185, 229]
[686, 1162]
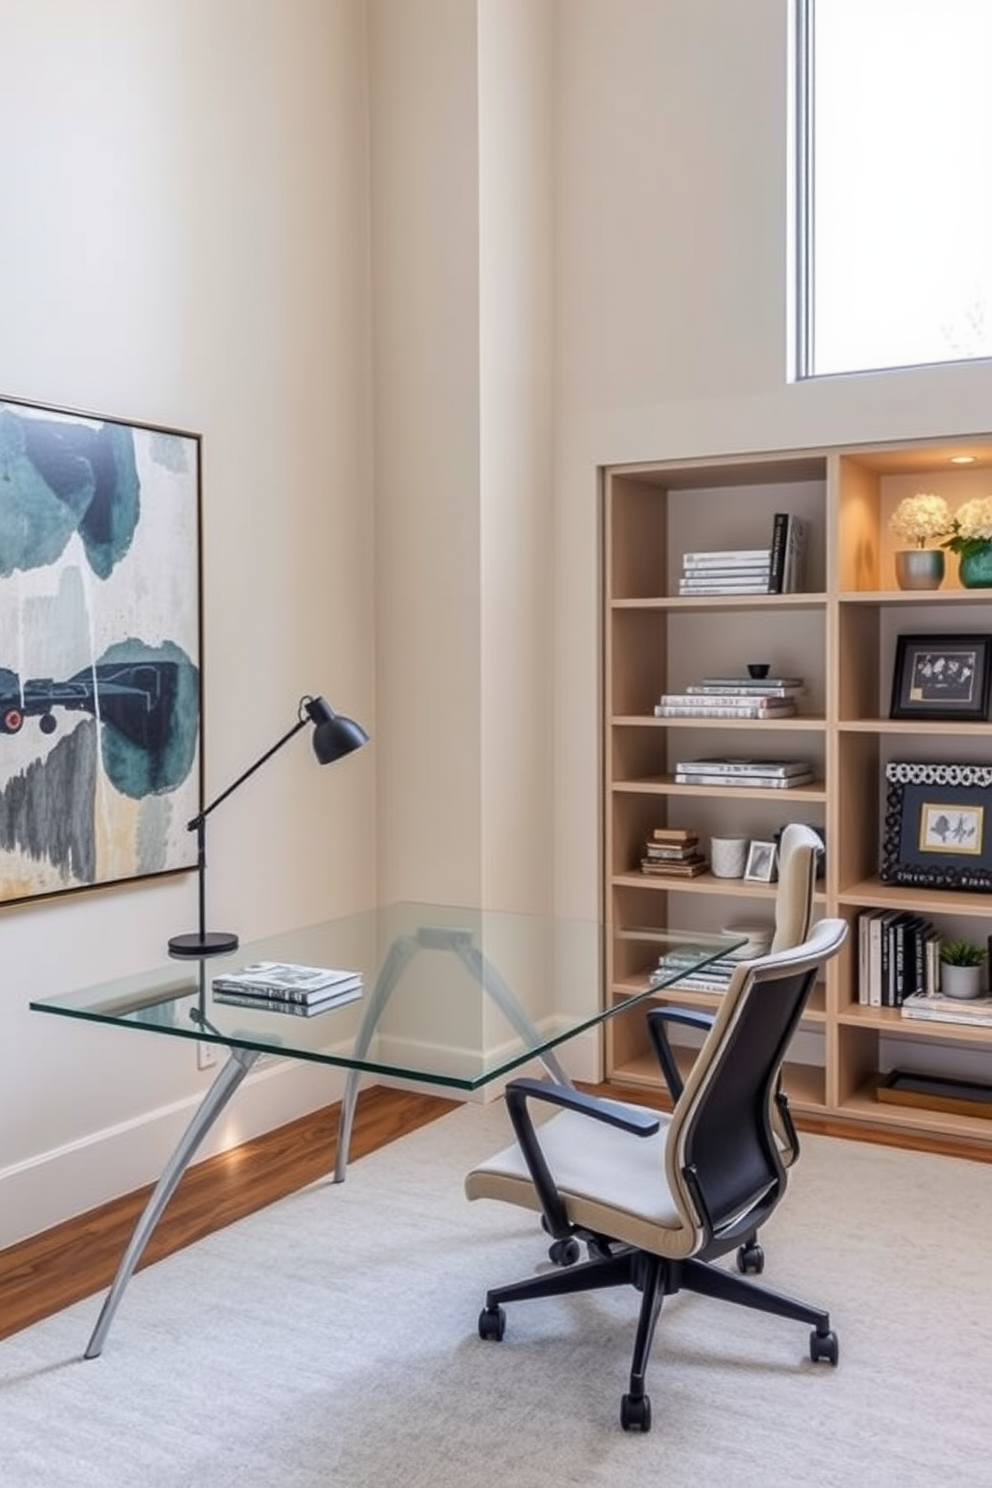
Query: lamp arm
[197, 821]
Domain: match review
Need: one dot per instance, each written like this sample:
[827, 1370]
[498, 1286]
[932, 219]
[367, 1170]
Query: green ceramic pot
[975, 568]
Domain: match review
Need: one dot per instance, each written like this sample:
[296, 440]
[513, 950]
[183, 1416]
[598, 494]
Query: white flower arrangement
[918, 518]
[972, 522]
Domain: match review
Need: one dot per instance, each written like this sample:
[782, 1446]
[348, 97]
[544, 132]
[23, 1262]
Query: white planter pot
[961, 981]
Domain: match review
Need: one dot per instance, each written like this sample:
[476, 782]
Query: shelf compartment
[870, 893]
[889, 1021]
[666, 785]
[864, 1108]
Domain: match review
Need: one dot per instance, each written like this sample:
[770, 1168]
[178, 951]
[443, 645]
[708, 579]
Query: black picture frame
[938, 827]
[942, 677]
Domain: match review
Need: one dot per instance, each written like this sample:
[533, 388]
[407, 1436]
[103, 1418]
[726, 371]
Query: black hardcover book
[776, 570]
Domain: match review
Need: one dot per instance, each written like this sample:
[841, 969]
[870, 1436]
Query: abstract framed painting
[100, 639]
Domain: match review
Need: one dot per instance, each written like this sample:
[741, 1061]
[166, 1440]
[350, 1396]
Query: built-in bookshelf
[839, 633]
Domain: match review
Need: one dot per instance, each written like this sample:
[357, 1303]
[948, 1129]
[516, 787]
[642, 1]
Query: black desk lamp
[334, 736]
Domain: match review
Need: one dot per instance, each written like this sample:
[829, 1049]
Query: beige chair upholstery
[799, 851]
[658, 1197]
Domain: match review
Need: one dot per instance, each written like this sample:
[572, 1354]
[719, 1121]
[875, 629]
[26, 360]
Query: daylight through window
[895, 202]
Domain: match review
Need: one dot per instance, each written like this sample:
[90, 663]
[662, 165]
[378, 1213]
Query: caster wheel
[635, 1412]
[824, 1346]
[47, 723]
[565, 1252]
[492, 1323]
[751, 1259]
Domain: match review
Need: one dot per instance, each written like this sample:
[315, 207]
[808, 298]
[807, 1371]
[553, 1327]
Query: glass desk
[451, 997]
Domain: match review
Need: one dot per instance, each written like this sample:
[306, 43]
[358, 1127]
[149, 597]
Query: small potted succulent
[961, 963]
[918, 520]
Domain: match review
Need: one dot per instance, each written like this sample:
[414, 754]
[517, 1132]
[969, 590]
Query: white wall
[462, 238]
[548, 235]
[672, 235]
[185, 241]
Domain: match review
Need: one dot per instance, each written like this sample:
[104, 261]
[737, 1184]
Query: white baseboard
[78, 1176]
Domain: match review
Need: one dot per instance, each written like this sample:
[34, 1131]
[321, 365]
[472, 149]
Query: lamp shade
[334, 735]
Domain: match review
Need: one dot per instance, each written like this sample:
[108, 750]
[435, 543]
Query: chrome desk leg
[216, 1098]
[438, 938]
[402, 948]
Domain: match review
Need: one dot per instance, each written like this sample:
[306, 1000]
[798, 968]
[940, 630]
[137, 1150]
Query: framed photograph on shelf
[99, 649]
[761, 860]
[942, 677]
[938, 827]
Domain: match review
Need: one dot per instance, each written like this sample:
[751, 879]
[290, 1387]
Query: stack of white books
[974, 1010]
[281, 986]
[726, 571]
[729, 697]
[738, 770]
[714, 977]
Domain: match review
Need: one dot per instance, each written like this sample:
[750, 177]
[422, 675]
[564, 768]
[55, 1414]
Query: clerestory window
[894, 183]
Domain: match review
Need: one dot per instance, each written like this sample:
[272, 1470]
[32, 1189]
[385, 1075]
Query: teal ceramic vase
[975, 568]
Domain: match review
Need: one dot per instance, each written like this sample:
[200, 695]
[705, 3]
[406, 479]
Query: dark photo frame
[942, 677]
[100, 687]
[938, 827]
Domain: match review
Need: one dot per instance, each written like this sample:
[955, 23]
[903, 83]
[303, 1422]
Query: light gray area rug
[331, 1339]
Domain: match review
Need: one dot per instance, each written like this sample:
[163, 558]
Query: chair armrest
[657, 1017]
[639, 1123]
[518, 1092]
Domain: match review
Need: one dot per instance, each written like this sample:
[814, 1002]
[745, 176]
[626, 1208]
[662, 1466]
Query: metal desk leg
[438, 938]
[216, 1098]
[399, 954]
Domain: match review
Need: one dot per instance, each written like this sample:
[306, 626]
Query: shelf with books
[841, 634]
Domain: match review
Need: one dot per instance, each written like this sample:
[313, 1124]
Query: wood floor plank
[74, 1260]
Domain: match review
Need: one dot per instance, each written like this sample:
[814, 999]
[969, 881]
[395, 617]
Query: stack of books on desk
[740, 771]
[733, 697]
[673, 852]
[280, 986]
[726, 571]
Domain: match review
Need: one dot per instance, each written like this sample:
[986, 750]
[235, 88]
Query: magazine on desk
[286, 1005]
[287, 982]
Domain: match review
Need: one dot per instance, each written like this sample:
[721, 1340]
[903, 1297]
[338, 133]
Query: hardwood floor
[74, 1260]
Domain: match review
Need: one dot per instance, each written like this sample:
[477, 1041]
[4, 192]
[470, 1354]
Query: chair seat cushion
[612, 1182]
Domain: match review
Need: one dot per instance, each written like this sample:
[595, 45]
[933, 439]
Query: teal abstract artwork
[100, 695]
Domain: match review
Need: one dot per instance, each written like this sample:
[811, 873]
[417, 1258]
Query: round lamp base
[194, 946]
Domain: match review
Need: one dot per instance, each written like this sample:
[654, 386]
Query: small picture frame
[938, 826]
[761, 861]
[942, 677]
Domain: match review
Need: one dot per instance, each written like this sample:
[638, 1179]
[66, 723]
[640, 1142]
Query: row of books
[898, 957]
[673, 852]
[280, 986]
[738, 770]
[733, 697]
[777, 569]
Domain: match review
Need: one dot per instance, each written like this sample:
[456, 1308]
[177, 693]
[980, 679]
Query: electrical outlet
[206, 1055]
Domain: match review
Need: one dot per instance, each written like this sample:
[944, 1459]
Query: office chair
[800, 849]
[657, 1198]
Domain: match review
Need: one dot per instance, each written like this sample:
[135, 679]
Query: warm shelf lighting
[962, 459]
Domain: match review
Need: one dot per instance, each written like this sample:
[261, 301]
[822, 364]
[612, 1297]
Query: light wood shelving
[840, 634]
